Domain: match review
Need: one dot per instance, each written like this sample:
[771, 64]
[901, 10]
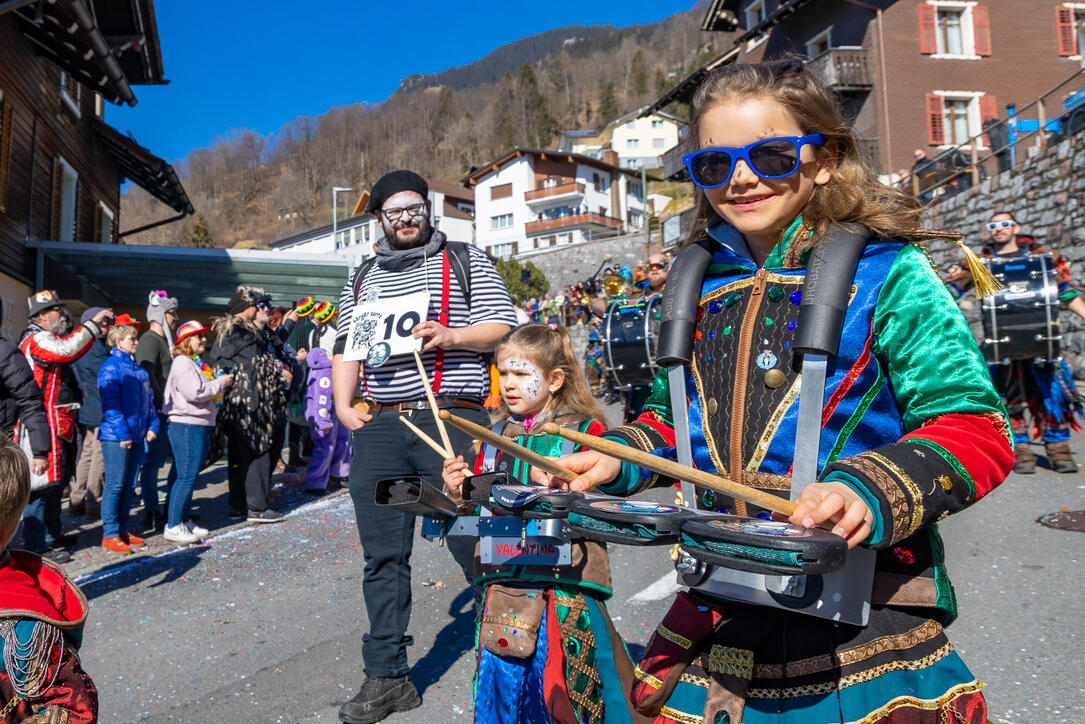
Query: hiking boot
[380, 697]
[264, 516]
[116, 545]
[1024, 460]
[1058, 455]
[58, 556]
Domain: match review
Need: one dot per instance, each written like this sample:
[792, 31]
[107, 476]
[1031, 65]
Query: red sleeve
[979, 443]
[49, 349]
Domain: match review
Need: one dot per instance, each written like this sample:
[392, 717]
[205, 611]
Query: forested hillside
[252, 188]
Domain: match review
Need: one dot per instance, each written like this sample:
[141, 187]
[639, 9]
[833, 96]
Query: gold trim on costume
[773, 423]
[927, 704]
[898, 502]
[909, 485]
[727, 660]
[646, 677]
[673, 637]
[681, 716]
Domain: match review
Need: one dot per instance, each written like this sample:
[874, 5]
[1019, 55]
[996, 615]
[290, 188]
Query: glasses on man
[656, 267]
[1000, 224]
[770, 158]
[412, 211]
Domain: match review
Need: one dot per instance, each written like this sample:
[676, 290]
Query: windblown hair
[184, 347]
[853, 194]
[551, 348]
[119, 332]
[14, 488]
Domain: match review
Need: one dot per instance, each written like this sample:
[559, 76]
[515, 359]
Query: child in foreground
[911, 427]
[547, 668]
[42, 614]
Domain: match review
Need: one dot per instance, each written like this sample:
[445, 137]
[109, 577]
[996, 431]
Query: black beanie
[239, 302]
[391, 184]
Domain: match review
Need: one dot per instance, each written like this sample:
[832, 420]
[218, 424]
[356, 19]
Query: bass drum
[1021, 321]
[630, 330]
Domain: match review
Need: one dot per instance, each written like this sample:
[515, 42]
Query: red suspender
[446, 273]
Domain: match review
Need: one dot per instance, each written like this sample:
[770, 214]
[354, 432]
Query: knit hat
[129, 320]
[243, 298]
[158, 303]
[324, 312]
[41, 301]
[189, 329]
[305, 307]
[392, 183]
[89, 314]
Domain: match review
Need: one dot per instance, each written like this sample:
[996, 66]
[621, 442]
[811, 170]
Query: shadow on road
[133, 572]
[451, 642]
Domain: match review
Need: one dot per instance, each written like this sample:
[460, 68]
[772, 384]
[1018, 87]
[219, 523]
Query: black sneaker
[378, 698]
[236, 514]
[66, 540]
[57, 555]
[264, 516]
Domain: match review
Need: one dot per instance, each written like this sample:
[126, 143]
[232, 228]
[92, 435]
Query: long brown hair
[551, 348]
[853, 193]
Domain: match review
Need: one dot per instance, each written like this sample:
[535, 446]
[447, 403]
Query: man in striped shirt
[468, 310]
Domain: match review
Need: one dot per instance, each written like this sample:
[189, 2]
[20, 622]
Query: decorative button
[700, 313]
[727, 330]
[766, 360]
[796, 297]
[792, 324]
[713, 406]
[775, 293]
[714, 307]
[732, 299]
[775, 378]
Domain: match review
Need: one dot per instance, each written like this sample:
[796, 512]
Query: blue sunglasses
[770, 158]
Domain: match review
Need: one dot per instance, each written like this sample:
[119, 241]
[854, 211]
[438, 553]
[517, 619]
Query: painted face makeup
[531, 383]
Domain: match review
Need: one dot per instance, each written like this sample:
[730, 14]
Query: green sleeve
[930, 356]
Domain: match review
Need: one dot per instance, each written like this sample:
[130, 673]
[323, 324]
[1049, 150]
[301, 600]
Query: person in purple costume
[330, 464]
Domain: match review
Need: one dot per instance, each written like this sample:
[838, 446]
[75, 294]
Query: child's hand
[836, 502]
[455, 470]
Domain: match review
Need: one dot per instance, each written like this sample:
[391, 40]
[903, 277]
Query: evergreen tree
[608, 104]
[539, 125]
[661, 84]
[638, 74]
[199, 235]
[511, 273]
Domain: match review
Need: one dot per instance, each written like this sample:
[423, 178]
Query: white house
[452, 212]
[533, 199]
[639, 142]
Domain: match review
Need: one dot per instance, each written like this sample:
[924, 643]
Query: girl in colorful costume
[545, 645]
[911, 428]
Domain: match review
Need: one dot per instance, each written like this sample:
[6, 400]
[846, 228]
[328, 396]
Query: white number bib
[387, 323]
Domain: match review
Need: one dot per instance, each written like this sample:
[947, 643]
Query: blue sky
[235, 64]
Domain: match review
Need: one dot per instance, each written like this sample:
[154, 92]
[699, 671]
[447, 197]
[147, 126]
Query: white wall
[642, 130]
[520, 173]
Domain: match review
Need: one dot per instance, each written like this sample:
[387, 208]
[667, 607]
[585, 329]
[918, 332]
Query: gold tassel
[984, 281]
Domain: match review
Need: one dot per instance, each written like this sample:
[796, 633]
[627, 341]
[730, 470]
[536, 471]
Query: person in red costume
[42, 614]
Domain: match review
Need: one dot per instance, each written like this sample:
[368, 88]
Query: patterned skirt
[719, 662]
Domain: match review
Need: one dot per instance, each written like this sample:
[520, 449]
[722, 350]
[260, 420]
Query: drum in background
[629, 332]
[1021, 321]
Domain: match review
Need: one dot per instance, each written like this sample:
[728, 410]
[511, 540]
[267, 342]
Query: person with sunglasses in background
[1043, 387]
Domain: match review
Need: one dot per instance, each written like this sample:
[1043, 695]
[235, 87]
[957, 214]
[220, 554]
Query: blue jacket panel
[127, 400]
[87, 368]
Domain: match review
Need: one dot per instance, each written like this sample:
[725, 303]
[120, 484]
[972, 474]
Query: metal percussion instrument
[1022, 320]
[762, 546]
[629, 331]
[630, 522]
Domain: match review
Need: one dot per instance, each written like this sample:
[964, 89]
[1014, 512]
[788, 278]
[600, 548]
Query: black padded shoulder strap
[459, 258]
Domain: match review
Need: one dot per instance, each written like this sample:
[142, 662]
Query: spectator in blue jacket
[129, 420]
[86, 495]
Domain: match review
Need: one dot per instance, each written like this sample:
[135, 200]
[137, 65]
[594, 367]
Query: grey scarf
[403, 259]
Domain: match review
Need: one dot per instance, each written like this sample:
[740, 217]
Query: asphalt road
[265, 624]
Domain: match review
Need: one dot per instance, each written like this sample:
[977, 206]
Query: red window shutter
[988, 112]
[981, 29]
[936, 130]
[1064, 27]
[928, 29]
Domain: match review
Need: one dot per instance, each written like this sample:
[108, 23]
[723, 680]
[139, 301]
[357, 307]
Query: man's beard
[424, 232]
[61, 327]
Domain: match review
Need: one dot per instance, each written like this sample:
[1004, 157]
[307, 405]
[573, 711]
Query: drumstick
[675, 470]
[508, 446]
[433, 405]
[466, 472]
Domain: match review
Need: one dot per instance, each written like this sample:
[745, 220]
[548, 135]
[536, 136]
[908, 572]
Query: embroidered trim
[898, 503]
[856, 417]
[858, 678]
[673, 637]
[909, 485]
[847, 657]
[927, 704]
[950, 459]
[727, 660]
[681, 716]
[646, 677]
[773, 423]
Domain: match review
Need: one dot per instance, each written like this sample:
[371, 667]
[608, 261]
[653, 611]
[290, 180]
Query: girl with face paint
[540, 379]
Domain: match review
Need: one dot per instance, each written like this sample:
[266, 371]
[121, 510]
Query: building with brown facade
[911, 74]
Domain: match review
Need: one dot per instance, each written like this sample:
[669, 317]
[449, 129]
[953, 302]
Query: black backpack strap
[459, 257]
[359, 276]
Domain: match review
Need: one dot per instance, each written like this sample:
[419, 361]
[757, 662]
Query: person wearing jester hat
[154, 354]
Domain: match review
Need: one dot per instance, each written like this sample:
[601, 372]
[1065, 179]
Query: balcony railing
[844, 69]
[572, 220]
[546, 192]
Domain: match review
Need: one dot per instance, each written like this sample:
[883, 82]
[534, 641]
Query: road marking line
[666, 586]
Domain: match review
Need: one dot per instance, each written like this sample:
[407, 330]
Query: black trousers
[386, 448]
[248, 473]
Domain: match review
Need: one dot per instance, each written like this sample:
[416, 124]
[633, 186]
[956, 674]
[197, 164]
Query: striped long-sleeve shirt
[464, 372]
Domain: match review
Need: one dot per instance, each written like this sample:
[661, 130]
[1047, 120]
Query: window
[955, 117]
[755, 15]
[820, 43]
[103, 224]
[65, 195]
[503, 251]
[954, 29]
[657, 123]
[1069, 21]
[635, 190]
[6, 133]
[632, 143]
[955, 120]
[501, 191]
[502, 221]
[630, 123]
[597, 182]
[659, 143]
[69, 92]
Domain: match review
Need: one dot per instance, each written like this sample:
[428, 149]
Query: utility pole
[644, 209]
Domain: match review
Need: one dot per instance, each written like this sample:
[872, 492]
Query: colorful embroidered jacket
[41, 618]
[910, 419]
[590, 569]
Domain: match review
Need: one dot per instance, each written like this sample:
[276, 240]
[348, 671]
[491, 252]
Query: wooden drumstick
[508, 446]
[433, 404]
[656, 464]
[466, 472]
